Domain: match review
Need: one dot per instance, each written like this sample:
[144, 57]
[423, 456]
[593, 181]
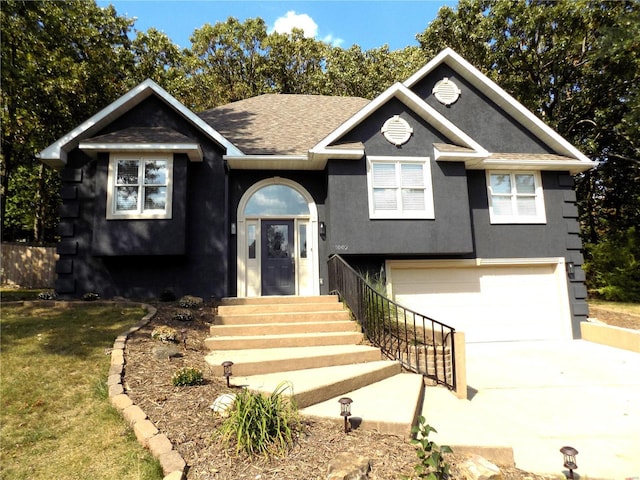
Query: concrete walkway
[539, 396]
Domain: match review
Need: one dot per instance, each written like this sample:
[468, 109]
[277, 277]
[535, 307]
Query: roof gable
[56, 154]
[503, 100]
[417, 105]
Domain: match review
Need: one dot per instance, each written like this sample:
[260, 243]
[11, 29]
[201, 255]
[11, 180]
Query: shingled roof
[280, 124]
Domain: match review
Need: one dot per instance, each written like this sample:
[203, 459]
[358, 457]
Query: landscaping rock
[223, 404]
[172, 462]
[164, 352]
[347, 466]
[479, 468]
[159, 445]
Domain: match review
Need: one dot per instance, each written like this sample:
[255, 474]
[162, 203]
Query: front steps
[311, 343]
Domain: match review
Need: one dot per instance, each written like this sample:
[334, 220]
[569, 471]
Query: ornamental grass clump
[262, 424]
[187, 376]
[183, 316]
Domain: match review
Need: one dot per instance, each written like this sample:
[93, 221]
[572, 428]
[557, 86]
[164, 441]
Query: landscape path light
[345, 411]
[227, 370]
[569, 454]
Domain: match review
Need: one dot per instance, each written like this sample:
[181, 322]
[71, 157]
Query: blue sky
[369, 24]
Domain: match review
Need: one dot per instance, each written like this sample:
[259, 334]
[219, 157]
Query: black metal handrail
[420, 343]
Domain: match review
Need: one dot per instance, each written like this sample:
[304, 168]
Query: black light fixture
[571, 270]
[569, 454]
[345, 411]
[322, 230]
[227, 370]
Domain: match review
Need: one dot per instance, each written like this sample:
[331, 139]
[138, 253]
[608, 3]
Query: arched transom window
[274, 200]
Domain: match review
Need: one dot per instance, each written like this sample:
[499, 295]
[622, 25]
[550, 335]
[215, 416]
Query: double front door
[278, 257]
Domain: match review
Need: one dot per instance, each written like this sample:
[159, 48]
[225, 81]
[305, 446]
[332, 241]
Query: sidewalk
[539, 396]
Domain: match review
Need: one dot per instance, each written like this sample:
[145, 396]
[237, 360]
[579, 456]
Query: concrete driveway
[539, 396]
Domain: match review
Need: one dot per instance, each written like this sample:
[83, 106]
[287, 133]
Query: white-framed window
[515, 197]
[400, 187]
[139, 186]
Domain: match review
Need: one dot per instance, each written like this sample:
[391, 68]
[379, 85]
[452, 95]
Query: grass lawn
[55, 416]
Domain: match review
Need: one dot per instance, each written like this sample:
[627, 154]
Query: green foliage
[90, 297]
[614, 267]
[262, 425]
[431, 465]
[165, 334]
[187, 376]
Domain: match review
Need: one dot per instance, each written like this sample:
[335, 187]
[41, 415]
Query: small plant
[262, 424]
[46, 296]
[432, 465]
[183, 316]
[189, 301]
[90, 297]
[165, 334]
[187, 376]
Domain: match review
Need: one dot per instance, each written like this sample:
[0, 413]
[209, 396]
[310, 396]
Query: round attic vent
[446, 92]
[396, 130]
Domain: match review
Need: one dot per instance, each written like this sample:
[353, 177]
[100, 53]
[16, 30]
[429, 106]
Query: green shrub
[431, 465]
[613, 266]
[47, 295]
[261, 424]
[165, 334]
[90, 297]
[187, 376]
[183, 316]
[189, 301]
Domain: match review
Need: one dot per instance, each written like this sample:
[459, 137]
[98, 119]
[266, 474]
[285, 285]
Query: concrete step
[280, 308]
[284, 340]
[279, 299]
[389, 406]
[293, 317]
[319, 384]
[270, 360]
[282, 328]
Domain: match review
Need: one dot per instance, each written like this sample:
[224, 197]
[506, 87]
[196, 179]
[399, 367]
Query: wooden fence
[28, 266]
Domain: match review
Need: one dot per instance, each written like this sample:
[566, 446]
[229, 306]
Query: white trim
[111, 213]
[55, 154]
[539, 218]
[509, 104]
[429, 210]
[243, 271]
[193, 150]
[414, 102]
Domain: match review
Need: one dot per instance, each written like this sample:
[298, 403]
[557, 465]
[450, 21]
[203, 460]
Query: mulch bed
[184, 415]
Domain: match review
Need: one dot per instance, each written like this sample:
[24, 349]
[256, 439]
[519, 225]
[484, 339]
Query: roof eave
[193, 150]
[571, 166]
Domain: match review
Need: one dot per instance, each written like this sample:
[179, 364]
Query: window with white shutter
[515, 197]
[400, 187]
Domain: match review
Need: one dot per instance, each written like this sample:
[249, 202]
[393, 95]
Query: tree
[61, 61]
[576, 64]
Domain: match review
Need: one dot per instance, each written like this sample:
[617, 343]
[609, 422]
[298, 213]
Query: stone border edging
[172, 463]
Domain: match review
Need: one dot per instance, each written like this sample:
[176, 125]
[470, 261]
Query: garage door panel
[488, 303]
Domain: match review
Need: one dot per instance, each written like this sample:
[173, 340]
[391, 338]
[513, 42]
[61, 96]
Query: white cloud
[294, 20]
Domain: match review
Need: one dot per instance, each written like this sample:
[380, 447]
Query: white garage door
[488, 303]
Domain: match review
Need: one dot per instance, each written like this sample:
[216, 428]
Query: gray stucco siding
[519, 240]
[141, 258]
[479, 117]
[352, 232]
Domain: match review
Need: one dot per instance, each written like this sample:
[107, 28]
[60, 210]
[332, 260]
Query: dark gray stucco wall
[479, 117]
[187, 255]
[350, 231]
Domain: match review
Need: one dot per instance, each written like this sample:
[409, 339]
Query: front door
[278, 257]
